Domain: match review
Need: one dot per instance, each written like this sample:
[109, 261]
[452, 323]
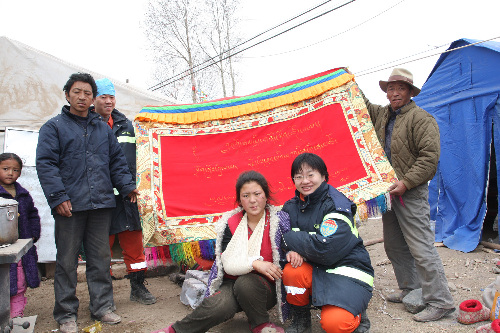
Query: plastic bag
[490, 297]
[97, 327]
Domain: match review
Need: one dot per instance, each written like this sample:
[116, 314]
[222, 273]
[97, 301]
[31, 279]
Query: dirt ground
[467, 274]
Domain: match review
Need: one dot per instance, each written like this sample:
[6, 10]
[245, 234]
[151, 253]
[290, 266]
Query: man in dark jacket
[79, 161]
[125, 224]
[410, 137]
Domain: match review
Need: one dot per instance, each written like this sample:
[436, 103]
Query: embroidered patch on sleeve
[328, 227]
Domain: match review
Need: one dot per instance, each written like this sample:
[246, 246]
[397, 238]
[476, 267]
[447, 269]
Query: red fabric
[333, 318]
[266, 250]
[204, 264]
[338, 320]
[132, 249]
[471, 305]
[110, 122]
[209, 164]
[299, 80]
[300, 277]
[495, 325]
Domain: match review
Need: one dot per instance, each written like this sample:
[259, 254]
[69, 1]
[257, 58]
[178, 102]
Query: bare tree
[223, 38]
[189, 40]
[170, 27]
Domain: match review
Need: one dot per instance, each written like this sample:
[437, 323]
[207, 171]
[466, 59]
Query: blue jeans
[91, 228]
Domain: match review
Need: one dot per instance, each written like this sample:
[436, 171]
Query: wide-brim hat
[400, 75]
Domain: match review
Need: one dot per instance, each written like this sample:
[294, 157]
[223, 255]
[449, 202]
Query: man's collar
[398, 111]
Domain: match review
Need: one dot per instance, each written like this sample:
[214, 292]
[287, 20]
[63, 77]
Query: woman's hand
[268, 269]
[294, 259]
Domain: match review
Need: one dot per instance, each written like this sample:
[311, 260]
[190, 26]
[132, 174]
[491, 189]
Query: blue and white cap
[105, 87]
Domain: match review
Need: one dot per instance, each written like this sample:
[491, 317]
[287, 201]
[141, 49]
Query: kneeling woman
[246, 275]
[328, 263]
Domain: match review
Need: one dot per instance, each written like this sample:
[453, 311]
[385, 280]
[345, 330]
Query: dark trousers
[90, 228]
[250, 293]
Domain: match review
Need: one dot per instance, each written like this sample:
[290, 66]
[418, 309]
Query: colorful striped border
[288, 93]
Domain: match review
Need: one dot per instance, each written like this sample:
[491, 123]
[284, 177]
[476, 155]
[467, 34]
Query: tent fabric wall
[31, 87]
[31, 93]
[462, 93]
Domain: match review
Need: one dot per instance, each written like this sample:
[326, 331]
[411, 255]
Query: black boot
[301, 319]
[364, 324]
[139, 292]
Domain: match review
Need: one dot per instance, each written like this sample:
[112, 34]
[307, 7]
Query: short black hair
[313, 160]
[11, 156]
[252, 176]
[82, 77]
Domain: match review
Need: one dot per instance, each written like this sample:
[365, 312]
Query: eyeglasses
[300, 178]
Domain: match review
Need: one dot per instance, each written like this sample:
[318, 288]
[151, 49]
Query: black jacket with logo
[339, 247]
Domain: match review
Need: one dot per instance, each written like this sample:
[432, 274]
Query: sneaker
[68, 327]
[268, 328]
[397, 297]
[432, 313]
[109, 318]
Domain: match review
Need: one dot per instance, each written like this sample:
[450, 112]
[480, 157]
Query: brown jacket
[415, 144]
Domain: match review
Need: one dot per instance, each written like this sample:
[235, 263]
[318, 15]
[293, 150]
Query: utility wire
[245, 42]
[336, 35]
[163, 84]
[371, 71]
[406, 57]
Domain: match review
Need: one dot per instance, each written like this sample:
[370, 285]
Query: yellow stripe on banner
[344, 218]
[245, 109]
[129, 139]
[353, 273]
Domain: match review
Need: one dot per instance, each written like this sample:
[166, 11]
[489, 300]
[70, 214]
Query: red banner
[199, 172]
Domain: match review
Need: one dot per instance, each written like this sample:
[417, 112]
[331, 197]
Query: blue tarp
[462, 93]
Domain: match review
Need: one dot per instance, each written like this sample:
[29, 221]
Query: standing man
[79, 161]
[410, 137]
[125, 223]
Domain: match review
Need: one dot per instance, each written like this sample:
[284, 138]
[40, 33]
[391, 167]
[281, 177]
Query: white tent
[31, 85]
[31, 93]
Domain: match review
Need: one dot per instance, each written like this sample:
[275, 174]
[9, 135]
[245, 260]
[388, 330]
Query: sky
[370, 37]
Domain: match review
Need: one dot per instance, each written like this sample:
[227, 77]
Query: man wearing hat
[410, 137]
[125, 223]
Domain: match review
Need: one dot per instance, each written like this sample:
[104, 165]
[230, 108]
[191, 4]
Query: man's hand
[133, 195]
[64, 209]
[268, 269]
[294, 259]
[398, 188]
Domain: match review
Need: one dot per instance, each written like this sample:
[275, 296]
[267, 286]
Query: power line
[370, 71]
[336, 35]
[163, 84]
[247, 41]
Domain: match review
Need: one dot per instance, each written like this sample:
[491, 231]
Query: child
[25, 272]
